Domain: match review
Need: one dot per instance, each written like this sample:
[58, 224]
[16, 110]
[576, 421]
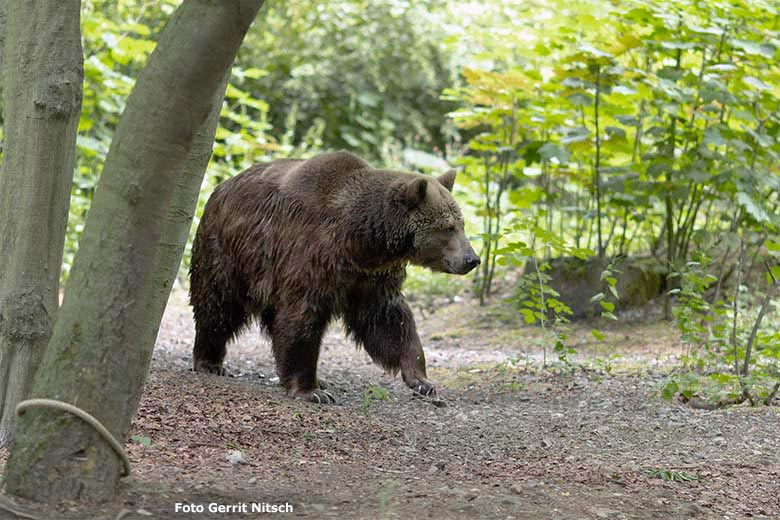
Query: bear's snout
[470, 262]
[466, 260]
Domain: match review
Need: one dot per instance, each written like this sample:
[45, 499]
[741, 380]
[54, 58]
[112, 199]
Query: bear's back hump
[318, 182]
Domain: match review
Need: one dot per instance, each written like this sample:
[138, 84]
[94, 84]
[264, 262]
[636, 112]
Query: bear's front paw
[210, 368]
[425, 388]
[317, 395]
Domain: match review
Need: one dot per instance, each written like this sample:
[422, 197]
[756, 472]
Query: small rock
[439, 403]
[236, 457]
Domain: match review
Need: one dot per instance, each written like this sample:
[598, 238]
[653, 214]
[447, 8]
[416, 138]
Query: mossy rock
[577, 281]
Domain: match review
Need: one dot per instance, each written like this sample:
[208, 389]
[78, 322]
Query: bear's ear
[448, 179]
[413, 193]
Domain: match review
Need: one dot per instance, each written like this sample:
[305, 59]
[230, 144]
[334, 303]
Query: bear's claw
[210, 368]
[426, 389]
[317, 396]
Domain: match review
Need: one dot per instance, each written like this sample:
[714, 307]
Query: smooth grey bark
[178, 221]
[99, 353]
[3, 19]
[42, 82]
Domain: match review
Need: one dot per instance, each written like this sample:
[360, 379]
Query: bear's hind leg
[216, 323]
[297, 334]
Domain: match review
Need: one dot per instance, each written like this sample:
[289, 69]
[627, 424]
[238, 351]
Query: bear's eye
[452, 228]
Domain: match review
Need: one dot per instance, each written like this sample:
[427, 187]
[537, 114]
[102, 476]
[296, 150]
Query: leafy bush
[363, 76]
[734, 355]
[627, 126]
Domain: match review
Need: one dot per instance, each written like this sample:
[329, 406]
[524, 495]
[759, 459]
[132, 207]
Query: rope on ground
[9, 506]
[84, 416]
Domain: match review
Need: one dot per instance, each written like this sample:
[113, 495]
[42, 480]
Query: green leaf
[597, 297]
[576, 135]
[755, 49]
[597, 334]
[528, 316]
[773, 276]
[626, 42]
[722, 67]
[526, 196]
[550, 150]
[756, 83]
[623, 90]
[722, 379]
[254, 73]
[756, 211]
[350, 139]
[629, 120]
[142, 440]
[713, 137]
[369, 99]
[580, 99]
[615, 133]
[670, 390]
[595, 53]
[675, 45]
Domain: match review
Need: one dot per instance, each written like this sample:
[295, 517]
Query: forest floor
[513, 441]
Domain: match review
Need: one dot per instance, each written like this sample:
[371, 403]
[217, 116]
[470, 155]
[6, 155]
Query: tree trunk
[3, 20]
[41, 81]
[178, 221]
[99, 353]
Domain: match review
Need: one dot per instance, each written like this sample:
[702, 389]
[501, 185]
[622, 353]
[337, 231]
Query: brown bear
[296, 243]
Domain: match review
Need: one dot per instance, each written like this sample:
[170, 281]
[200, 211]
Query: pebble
[236, 457]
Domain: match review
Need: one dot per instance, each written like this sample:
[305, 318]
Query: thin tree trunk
[597, 167]
[42, 80]
[487, 227]
[100, 350]
[669, 223]
[671, 235]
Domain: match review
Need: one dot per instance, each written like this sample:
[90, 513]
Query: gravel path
[513, 441]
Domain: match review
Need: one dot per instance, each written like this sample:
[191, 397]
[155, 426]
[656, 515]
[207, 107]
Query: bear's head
[439, 240]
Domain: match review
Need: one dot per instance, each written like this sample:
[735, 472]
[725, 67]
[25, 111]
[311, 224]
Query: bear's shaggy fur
[295, 243]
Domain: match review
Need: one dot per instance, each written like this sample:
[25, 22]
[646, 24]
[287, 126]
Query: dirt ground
[511, 441]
